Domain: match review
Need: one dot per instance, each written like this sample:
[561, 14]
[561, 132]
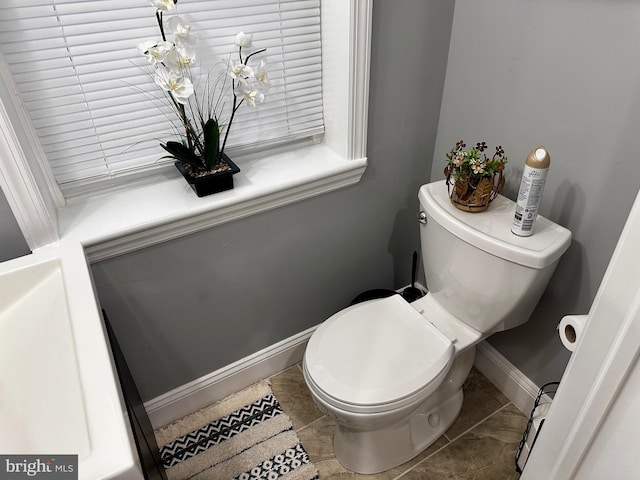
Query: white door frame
[605, 355]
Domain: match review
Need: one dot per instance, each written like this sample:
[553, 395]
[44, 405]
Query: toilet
[389, 372]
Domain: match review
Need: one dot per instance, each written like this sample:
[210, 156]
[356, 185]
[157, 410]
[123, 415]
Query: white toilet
[390, 373]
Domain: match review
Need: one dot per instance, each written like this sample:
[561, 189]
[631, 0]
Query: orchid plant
[205, 129]
[474, 163]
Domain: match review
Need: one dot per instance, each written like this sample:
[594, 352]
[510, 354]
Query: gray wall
[194, 305]
[566, 75]
[12, 242]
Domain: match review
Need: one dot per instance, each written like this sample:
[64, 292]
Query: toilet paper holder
[570, 330]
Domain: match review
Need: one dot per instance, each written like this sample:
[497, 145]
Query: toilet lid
[376, 352]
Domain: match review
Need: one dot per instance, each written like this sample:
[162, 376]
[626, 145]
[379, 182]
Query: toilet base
[375, 451]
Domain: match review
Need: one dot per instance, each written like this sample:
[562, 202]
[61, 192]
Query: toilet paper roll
[570, 330]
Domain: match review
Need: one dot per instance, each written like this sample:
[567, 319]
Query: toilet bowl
[390, 373]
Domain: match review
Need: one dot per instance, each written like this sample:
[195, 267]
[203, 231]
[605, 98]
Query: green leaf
[211, 133]
[182, 154]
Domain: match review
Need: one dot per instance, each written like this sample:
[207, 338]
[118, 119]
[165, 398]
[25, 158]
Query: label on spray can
[528, 200]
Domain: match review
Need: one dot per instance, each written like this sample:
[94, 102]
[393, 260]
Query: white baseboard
[514, 384]
[216, 385]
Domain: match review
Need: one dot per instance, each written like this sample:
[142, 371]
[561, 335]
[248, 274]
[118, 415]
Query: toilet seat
[377, 356]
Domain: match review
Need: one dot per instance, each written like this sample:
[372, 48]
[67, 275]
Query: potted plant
[474, 179]
[204, 117]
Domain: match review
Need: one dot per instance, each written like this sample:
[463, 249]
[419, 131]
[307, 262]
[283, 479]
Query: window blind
[91, 97]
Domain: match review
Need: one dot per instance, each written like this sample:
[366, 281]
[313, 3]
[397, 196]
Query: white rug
[246, 436]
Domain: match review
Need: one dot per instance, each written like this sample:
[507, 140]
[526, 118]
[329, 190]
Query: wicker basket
[474, 193]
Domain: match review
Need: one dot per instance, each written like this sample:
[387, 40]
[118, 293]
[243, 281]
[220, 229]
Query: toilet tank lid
[491, 230]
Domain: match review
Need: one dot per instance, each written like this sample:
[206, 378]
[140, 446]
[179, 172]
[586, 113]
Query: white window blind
[92, 100]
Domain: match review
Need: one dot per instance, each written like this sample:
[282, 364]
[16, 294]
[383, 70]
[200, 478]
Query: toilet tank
[477, 269]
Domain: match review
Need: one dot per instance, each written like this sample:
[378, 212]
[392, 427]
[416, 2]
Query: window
[91, 98]
[126, 220]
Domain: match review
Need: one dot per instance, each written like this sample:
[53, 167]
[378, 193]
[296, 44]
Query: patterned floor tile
[291, 391]
[484, 453]
[481, 399]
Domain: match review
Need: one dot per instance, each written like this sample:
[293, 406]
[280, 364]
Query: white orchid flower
[244, 39]
[261, 74]
[239, 71]
[163, 5]
[180, 57]
[181, 31]
[251, 96]
[155, 51]
[174, 82]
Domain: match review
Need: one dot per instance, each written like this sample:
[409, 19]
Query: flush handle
[422, 218]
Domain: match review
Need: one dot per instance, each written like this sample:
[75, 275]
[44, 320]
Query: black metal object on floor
[548, 389]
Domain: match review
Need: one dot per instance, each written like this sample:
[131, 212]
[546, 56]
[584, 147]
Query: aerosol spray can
[534, 175]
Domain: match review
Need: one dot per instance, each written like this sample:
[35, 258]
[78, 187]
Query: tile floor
[480, 445]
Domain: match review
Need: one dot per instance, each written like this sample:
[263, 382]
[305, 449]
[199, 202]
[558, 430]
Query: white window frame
[129, 219]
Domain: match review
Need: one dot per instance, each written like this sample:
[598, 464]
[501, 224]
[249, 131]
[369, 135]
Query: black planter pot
[213, 182]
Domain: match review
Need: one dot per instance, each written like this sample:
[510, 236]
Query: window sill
[132, 219]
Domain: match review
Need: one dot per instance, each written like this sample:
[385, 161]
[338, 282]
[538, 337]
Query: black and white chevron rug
[246, 436]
